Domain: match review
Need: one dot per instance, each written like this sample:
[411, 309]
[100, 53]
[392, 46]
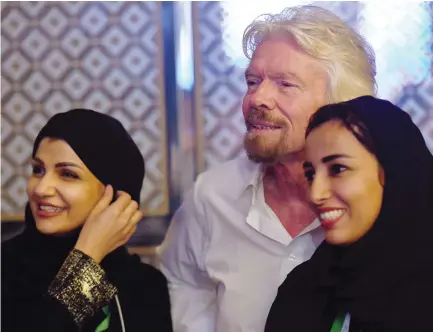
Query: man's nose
[264, 96]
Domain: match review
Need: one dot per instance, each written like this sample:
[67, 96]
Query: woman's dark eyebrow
[332, 157]
[58, 165]
[67, 164]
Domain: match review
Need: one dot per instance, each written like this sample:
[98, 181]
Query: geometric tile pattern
[417, 100]
[402, 56]
[219, 89]
[220, 86]
[100, 55]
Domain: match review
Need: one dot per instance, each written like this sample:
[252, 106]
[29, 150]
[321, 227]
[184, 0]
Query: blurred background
[173, 74]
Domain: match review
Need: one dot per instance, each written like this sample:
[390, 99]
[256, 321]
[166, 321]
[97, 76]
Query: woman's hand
[109, 226]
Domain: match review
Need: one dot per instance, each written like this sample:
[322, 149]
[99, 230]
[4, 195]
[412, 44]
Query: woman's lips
[330, 216]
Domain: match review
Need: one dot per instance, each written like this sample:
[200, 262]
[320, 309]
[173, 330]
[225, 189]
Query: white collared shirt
[226, 252]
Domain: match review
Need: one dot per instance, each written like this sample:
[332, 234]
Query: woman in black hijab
[371, 184]
[69, 270]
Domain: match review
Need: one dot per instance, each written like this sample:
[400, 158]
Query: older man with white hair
[246, 223]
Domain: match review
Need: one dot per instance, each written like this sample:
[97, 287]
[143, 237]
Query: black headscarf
[109, 152]
[104, 146]
[385, 279]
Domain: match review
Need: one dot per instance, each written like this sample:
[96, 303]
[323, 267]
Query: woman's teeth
[330, 215]
[50, 208]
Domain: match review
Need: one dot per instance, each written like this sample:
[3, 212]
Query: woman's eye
[337, 169]
[37, 170]
[309, 175]
[70, 175]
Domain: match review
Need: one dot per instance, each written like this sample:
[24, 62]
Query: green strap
[106, 322]
[338, 323]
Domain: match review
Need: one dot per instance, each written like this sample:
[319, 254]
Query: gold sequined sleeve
[81, 285]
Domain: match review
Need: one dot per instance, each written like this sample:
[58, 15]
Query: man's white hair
[347, 57]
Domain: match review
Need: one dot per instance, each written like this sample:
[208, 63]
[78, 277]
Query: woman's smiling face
[346, 182]
[62, 191]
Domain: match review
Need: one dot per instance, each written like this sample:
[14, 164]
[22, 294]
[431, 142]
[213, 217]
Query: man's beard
[266, 147]
[260, 150]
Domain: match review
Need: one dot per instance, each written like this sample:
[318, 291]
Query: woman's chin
[54, 226]
[47, 227]
[339, 237]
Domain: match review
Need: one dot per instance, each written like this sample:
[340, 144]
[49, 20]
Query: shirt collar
[315, 224]
[251, 174]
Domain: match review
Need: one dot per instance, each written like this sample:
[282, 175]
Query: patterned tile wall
[219, 89]
[106, 56]
[220, 83]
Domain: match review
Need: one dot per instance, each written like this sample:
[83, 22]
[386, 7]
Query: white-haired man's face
[285, 87]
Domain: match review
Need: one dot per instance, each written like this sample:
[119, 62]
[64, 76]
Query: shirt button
[292, 257]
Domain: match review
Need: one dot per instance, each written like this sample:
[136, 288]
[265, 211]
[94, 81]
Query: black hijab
[109, 152]
[385, 279]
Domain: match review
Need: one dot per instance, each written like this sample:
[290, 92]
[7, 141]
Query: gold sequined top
[81, 285]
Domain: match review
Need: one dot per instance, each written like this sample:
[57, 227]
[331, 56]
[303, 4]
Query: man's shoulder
[227, 177]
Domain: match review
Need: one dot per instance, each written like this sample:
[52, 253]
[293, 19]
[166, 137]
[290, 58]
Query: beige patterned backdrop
[404, 60]
[106, 56]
